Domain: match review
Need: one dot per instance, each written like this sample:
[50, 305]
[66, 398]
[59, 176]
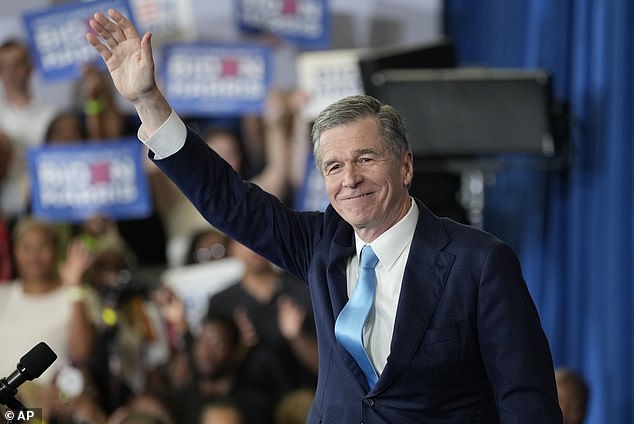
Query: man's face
[365, 183]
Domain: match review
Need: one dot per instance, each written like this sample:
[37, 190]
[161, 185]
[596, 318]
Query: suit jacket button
[368, 402]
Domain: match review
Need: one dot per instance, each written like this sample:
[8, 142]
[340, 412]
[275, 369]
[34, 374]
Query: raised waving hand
[131, 65]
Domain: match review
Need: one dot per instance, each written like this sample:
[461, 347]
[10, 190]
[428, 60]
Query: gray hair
[351, 109]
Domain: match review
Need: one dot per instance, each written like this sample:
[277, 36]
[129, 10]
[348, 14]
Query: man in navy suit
[453, 335]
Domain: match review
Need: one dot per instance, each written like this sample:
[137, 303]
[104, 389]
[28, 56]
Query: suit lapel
[341, 249]
[423, 283]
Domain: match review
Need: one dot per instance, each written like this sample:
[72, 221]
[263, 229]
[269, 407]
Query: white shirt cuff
[168, 139]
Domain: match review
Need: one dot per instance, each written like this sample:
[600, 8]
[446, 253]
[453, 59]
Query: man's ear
[408, 169]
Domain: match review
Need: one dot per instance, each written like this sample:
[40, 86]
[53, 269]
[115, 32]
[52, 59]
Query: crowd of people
[126, 351]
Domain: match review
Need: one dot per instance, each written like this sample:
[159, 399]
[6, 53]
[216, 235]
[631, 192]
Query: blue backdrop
[573, 230]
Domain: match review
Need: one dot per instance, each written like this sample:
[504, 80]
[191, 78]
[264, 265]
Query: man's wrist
[153, 110]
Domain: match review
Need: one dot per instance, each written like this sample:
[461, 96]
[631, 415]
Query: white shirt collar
[391, 244]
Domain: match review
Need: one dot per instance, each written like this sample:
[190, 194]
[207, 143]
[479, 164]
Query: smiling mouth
[358, 196]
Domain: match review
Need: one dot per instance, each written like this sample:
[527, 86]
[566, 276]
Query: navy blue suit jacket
[468, 346]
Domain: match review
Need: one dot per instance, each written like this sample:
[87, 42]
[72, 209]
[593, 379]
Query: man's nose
[351, 176]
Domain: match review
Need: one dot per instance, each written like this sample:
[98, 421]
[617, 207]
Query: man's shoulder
[448, 232]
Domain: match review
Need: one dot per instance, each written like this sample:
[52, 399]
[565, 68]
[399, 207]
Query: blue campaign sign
[57, 36]
[311, 195]
[305, 23]
[74, 182]
[215, 79]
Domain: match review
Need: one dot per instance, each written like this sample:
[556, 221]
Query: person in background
[209, 369]
[131, 343]
[103, 118]
[452, 333]
[574, 395]
[206, 245]
[45, 303]
[66, 127]
[23, 118]
[273, 313]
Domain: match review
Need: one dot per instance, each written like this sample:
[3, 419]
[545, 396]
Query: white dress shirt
[392, 248]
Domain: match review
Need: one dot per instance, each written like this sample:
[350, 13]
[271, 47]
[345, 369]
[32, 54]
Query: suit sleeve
[241, 209]
[513, 345]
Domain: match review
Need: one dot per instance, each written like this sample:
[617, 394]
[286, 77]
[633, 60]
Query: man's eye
[332, 168]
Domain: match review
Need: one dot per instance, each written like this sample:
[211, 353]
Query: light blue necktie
[350, 322]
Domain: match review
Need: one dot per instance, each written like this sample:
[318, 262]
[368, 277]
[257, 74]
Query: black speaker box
[463, 112]
[438, 54]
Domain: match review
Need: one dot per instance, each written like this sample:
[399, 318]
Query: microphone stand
[9, 399]
[15, 405]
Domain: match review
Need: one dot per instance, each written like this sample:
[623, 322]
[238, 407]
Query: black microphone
[31, 366]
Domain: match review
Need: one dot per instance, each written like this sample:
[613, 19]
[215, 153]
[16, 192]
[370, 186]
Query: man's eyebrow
[356, 153]
[367, 151]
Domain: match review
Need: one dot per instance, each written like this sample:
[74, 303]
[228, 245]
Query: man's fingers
[124, 24]
[114, 28]
[103, 51]
[98, 24]
[146, 47]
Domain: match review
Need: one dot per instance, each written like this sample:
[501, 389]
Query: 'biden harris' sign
[304, 23]
[72, 183]
[57, 36]
[214, 79]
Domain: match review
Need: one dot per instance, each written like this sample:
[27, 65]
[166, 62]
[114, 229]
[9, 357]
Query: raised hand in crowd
[78, 259]
[172, 308]
[291, 318]
[71, 271]
[248, 334]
